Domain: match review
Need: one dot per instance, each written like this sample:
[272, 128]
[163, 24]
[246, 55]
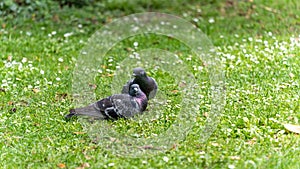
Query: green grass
[259, 46]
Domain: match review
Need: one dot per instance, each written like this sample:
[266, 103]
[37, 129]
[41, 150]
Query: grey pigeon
[147, 84]
[115, 106]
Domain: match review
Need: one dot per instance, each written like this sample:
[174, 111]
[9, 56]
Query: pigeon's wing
[153, 84]
[125, 89]
[92, 110]
[105, 103]
[125, 105]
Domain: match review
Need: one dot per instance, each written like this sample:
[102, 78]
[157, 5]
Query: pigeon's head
[139, 72]
[135, 90]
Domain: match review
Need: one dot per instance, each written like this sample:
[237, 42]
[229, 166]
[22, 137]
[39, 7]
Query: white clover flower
[24, 60]
[211, 20]
[230, 166]
[270, 33]
[166, 159]
[68, 34]
[195, 19]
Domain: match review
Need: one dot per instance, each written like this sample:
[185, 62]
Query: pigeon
[115, 106]
[147, 84]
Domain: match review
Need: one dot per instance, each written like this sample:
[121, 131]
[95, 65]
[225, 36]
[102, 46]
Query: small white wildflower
[20, 67]
[58, 79]
[4, 85]
[270, 33]
[111, 164]
[231, 57]
[250, 39]
[195, 19]
[42, 72]
[30, 87]
[79, 26]
[28, 33]
[53, 32]
[231, 166]
[60, 59]
[68, 34]
[135, 44]
[134, 29]
[175, 26]
[211, 20]
[165, 158]
[24, 60]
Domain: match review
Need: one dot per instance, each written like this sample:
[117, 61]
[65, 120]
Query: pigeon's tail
[90, 110]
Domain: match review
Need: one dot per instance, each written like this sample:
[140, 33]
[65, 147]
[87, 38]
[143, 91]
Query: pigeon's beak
[134, 75]
[135, 89]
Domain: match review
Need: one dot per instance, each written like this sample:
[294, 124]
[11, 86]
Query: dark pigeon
[147, 84]
[115, 106]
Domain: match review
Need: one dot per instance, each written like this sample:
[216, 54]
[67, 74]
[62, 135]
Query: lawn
[257, 42]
